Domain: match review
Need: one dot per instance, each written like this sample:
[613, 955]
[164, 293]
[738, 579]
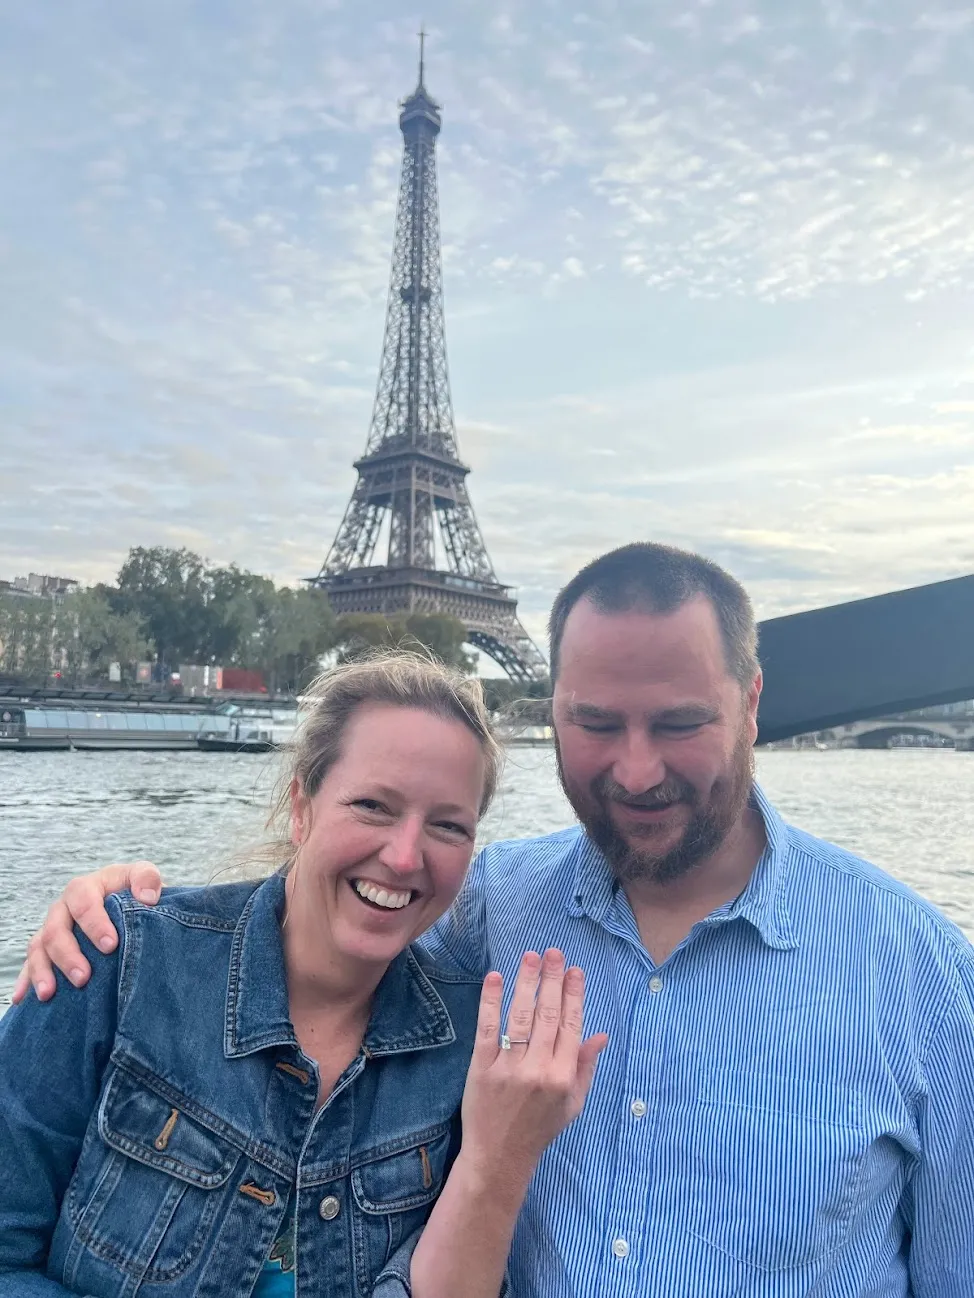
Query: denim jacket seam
[188, 919]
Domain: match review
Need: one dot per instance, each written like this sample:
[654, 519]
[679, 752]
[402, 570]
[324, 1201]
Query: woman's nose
[402, 850]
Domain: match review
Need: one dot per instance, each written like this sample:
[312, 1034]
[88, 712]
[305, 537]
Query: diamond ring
[507, 1042]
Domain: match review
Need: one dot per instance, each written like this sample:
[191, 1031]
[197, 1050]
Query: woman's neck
[318, 980]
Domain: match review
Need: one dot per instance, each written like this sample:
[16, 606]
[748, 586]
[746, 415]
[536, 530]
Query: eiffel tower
[411, 491]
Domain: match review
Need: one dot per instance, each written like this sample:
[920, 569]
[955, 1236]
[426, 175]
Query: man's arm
[52, 1060]
[81, 903]
[940, 1198]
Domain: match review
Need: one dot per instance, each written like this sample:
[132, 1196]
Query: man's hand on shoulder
[81, 903]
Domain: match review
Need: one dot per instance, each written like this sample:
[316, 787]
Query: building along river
[911, 811]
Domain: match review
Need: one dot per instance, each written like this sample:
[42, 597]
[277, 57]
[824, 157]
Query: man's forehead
[640, 642]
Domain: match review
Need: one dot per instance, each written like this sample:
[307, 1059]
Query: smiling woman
[263, 1081]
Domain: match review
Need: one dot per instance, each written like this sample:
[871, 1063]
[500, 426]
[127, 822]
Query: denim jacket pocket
[394, 1190]
[774, 1165]
[148, 1190]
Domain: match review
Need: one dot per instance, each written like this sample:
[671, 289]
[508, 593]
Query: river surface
[910, 811]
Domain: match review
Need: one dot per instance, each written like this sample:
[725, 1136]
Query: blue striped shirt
[786, 1105]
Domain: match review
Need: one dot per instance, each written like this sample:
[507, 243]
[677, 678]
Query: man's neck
[666, 912]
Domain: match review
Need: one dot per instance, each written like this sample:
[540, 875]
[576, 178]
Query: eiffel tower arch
[410, 505]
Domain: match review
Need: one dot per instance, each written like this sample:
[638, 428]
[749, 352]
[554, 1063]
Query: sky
[708, 277]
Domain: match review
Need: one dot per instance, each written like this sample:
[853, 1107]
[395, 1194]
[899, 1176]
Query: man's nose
[403, 850]
[639, 765]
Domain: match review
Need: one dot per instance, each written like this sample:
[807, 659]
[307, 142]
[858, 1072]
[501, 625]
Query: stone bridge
[876, 732]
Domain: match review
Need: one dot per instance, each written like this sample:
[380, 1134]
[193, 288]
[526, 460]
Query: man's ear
[751, 700]
[300, 813]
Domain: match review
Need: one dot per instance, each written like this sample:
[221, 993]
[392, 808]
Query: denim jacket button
[329, 1208]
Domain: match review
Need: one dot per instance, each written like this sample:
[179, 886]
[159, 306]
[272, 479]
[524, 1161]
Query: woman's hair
[401, 678]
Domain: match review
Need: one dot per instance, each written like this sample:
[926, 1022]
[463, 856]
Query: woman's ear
[300, 813]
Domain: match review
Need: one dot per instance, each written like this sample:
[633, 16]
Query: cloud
[707, 278]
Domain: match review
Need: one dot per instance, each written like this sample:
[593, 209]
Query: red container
[244, 680]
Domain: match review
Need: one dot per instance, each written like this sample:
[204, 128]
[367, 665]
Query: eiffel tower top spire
[411, 498]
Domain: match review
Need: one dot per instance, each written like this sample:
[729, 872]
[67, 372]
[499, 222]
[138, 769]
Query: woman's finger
[520, 1016]
[571, 1015]
[548, 1005]
[486, 1045]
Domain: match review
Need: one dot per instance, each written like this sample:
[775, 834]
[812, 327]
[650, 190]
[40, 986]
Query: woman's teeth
[382, 896]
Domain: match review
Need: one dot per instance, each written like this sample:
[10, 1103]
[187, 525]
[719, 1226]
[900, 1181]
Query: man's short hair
[661, 579]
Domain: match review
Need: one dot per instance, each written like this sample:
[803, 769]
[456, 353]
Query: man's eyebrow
[683, 714]
[589, 712]
[687, 714]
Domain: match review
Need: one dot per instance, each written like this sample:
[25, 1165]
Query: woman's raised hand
[518, 1097]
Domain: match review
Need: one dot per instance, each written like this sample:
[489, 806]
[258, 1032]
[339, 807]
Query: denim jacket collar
[407, 1011]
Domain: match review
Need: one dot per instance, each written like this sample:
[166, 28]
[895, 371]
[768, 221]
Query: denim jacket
[154, 1123]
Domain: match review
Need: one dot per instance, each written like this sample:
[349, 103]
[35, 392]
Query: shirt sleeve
[459, 938]
[940, 1200]
[53, 1055]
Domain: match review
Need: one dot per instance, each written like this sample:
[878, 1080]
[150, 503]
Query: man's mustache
[661, 795]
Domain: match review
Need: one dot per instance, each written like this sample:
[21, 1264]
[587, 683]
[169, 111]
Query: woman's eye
[368, 804]
[453, 828]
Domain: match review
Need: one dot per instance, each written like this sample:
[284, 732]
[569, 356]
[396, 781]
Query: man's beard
[708, 825]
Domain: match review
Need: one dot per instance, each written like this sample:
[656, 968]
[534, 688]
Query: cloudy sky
[708, 278]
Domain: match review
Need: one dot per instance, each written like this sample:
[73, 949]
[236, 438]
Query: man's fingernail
[105, 944]
[148, 895]
[77, 977]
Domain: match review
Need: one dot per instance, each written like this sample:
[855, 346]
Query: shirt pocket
[775, 1165]
[394, 1189]
[146, 1192]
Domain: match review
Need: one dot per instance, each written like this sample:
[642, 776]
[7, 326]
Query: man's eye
[593, 729]
[686, 729]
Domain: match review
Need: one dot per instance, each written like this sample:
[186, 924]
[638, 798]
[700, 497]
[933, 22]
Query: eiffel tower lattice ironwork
[411, 485]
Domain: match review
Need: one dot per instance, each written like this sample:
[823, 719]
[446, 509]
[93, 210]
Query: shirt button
[329, 1208]
[655, 984]
[637, 1108]
[620, 1247]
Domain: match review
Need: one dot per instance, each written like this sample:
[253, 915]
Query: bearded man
[785, 1106]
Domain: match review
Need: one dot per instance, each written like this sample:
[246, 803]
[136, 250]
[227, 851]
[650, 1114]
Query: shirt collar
[763, 903]
[407, 1011]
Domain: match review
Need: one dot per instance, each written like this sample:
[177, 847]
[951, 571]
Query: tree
[298, 629]
[241, 606]
[444, 636]
[95, 636]
[170, 591]
[28, 637]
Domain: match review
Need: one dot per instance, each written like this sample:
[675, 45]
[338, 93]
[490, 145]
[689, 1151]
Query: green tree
[444, 636]
[28, 636]
[298, 628]
[241, 604]
[170, 592]
[93, 636]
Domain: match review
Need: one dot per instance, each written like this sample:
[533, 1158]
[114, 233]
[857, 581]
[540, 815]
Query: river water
[910, 811]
